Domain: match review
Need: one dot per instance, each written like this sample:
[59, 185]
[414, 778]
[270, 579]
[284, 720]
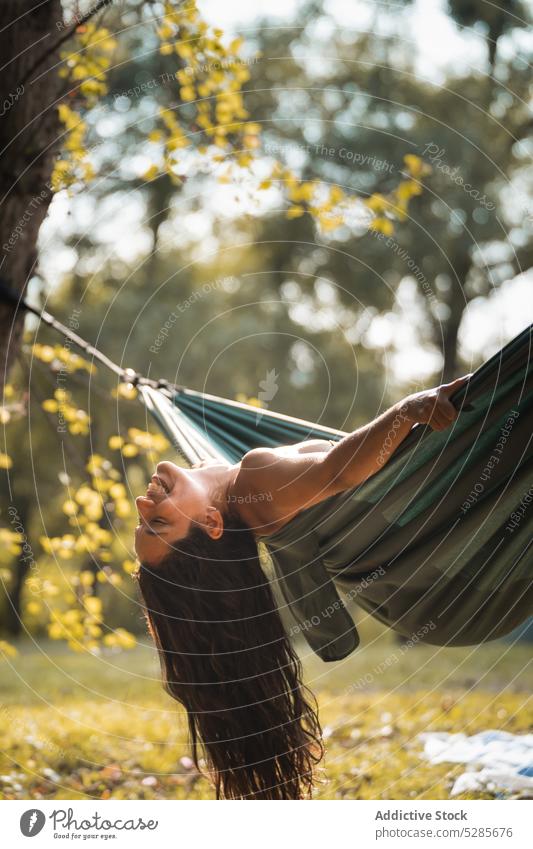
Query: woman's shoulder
[252, 494]
[254, 470]
[259, 458]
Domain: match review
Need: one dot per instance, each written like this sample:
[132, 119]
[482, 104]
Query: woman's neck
[218, 480]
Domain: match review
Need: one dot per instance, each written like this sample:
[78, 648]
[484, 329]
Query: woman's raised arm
[278, 486]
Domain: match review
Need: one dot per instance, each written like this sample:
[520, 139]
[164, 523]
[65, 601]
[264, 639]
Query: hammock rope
[126, 375]
[200, 426]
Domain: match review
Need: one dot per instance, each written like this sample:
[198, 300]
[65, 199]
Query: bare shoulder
[258, 466]
[253, 493]
[274, 484]
[259, 458]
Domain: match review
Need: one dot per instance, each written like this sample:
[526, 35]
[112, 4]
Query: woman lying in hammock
[210, 610]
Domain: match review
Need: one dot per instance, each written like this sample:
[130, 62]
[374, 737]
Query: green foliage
[342, 119]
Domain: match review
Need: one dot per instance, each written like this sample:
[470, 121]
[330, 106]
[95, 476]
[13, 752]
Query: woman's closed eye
[160, 523]
[154, 523]
[155, 527]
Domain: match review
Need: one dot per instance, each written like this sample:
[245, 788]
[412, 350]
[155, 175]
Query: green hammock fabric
[437, 544]
[203, 426]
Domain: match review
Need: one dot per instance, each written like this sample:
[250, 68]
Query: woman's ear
[213, 523]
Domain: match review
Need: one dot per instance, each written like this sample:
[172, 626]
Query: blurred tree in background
[350, 119]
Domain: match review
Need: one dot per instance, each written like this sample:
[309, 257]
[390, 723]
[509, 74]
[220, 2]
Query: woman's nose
[168, 469]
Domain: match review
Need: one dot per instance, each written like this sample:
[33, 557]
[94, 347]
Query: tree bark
[449, 349]
[29, 141]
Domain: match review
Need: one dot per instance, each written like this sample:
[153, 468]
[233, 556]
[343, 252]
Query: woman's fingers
[455, 384]
[434, 407]
[442, 414]
[447, 409]
[438, 422]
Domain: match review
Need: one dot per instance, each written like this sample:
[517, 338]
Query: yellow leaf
[70, 508]
[415, 165]
[382, 225]
[187, 92]
[335, 195]
[122, 508]
[151, 173]
[7, 649]
[86, 578]
[44, 352]
[377, 203]
[125, 390]
[124, 639]
[295, 212]
[93, 605]
[408, 188]
[5, 461]
[130, 450]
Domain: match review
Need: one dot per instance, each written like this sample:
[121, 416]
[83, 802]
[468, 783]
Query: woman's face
[173, 499]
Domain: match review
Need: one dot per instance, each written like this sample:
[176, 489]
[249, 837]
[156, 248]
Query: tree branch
[65, 37]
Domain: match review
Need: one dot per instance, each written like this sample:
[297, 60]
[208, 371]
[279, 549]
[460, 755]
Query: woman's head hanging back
[226, 657]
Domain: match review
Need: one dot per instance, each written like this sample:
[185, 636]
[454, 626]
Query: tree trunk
[446, 332]
[449, 349]
[29, 133]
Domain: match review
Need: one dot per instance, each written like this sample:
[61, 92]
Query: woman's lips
[159, 481]
[157, 487]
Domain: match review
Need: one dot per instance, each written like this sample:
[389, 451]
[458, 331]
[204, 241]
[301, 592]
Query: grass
[77, 727]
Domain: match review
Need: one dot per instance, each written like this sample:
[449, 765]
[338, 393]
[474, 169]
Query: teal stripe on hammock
[172, 429]
[219, 436]
[277, 429]
[212, 418]
[222, 425]
[465, 556]
[403, 465]
[451, 475]
[233, 410]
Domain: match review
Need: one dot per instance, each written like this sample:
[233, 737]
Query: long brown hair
[225, 656]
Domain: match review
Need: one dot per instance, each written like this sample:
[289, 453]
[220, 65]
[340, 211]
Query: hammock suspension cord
[201, 426]
[126, 375]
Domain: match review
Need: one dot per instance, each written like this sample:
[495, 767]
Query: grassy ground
[76, 726]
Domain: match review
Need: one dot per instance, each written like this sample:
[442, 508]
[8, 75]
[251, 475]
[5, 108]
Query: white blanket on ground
[506, 759]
